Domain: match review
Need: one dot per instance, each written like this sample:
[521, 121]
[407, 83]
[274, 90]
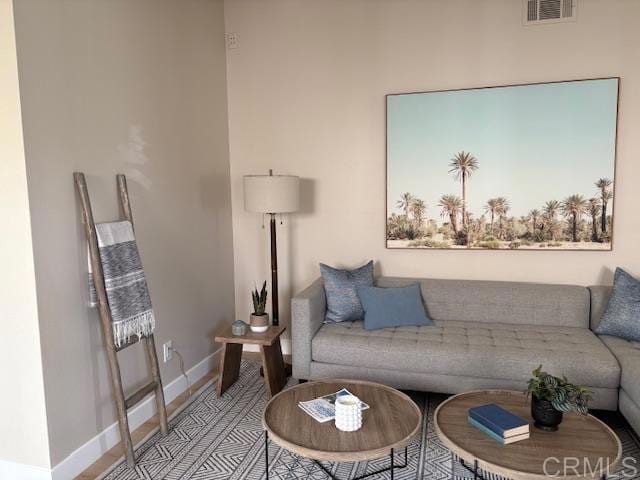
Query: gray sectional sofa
[628, 356]
[486, 335]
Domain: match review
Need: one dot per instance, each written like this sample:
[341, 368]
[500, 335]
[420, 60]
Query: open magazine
[323, 409]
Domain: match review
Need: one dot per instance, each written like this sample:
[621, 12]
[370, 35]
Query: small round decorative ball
[239, 328]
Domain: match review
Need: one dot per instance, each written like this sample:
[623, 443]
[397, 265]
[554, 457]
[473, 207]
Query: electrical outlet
[167, 351]
[232, 41]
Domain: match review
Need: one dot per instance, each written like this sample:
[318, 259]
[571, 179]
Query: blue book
[498, 420]
[495, 436]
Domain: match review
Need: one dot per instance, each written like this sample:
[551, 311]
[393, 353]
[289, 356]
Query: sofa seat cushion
[628, 355]
[484, 350]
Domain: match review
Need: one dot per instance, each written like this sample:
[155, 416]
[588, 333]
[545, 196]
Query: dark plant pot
[545, 416]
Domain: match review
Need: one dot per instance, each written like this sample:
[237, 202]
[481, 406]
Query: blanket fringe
[141, 325]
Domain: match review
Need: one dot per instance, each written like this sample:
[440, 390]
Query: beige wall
[306, 97]
[136, 87]
[23, 425]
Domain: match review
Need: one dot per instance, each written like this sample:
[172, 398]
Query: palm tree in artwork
[594, 209]
[492, 207]
[574, 207]
[503, 208]
[462, 165]
[605, 199]
[405, 203]
[603, 185]
[418, 209]
[524, 221]
[534, 215]
[551, 209]
[451, 205]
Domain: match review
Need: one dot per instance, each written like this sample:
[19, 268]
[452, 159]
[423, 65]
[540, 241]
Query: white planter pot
[259, 323]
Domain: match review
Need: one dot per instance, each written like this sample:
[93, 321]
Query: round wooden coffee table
[583, 447]
[390, 423]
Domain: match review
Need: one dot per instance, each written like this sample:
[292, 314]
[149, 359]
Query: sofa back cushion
[501, 302]
[600, 295]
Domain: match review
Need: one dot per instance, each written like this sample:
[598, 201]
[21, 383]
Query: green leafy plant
[401, 227]
[429, 243]
[564, 396]
[259, 299]
[491, 245]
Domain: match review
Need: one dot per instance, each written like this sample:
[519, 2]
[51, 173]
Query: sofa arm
[308, 310]
[599, 298]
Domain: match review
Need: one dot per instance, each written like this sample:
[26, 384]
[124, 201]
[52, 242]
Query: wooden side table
[580, 437]
[272, 362]
[387, 427]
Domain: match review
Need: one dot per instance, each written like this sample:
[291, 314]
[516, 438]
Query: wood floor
[116, 454]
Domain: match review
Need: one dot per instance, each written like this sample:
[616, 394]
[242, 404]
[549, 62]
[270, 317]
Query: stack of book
[499, 424]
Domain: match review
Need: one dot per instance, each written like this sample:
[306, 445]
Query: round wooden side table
[390, 423]
[582, 448]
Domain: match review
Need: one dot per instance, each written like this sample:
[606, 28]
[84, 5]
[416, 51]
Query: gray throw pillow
[621, 318]
[340, 287]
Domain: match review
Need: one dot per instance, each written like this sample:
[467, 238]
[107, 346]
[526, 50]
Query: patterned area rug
[222, 438]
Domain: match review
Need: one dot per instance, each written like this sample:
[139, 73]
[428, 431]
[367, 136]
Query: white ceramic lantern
[348, 413]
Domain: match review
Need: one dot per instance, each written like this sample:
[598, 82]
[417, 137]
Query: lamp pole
[272, 195]
[274, 270]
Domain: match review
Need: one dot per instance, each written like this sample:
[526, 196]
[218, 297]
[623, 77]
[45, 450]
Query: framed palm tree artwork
[517, 167]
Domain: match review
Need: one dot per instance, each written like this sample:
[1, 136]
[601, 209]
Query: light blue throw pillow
[621, 318]
[340, 287]
[393, 307]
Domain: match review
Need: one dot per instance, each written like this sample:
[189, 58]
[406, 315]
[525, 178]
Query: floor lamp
[272, 194]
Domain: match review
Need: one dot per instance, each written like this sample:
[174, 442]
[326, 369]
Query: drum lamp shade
[271, 193]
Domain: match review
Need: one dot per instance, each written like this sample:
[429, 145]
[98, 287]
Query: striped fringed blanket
[124, 281]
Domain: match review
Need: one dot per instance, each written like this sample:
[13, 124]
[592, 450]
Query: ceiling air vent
[539, 12]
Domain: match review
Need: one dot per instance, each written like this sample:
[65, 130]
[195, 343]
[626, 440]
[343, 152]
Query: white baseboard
[19, 471]
[91, 451]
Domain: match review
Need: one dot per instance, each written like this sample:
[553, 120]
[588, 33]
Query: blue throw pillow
[393, 307]
[340, 288]
[621, 318]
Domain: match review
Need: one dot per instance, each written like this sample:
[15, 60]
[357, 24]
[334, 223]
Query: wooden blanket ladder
[155, 385]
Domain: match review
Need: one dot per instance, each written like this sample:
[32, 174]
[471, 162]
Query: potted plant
[259, 317]
[552, 396]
